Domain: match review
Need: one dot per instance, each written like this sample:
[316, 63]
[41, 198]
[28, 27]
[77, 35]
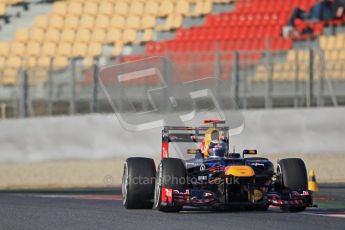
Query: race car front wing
[196, 197]
[288, 198]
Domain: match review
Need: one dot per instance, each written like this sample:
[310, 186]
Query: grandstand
[227, 39]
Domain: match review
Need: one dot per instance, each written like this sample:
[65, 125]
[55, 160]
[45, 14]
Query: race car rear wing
[186, 135]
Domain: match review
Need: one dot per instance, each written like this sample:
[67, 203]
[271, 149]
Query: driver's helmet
[217, 149]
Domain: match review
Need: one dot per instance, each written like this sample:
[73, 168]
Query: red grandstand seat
[318, 28]
[194, 34]
[254, 25]
[155, 48]
[209, 20]
[182, 34]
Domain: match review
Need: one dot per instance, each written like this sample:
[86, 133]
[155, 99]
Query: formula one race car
[214, 178]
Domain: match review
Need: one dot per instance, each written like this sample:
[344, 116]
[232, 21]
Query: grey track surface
[27, 211]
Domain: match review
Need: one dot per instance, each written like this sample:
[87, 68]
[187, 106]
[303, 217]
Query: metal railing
[303, 78]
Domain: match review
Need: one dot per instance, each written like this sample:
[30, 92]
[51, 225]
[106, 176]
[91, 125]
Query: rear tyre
[171, 174]
[138, 182]
[292, 175]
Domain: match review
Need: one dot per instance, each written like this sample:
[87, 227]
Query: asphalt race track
[103, 210]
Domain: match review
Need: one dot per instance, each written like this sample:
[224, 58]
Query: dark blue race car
[214, 178]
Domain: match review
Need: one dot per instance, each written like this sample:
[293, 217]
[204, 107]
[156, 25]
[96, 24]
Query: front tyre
[292, 175]
[138, 183]
[171, 174]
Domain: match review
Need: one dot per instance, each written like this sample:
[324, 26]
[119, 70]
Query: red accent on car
[165, 149]
[166, 196]
[181, 197]
[305, 193]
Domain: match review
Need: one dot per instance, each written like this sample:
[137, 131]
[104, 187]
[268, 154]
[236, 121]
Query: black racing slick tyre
[138, 183]
[292, 174]
[171, 174]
